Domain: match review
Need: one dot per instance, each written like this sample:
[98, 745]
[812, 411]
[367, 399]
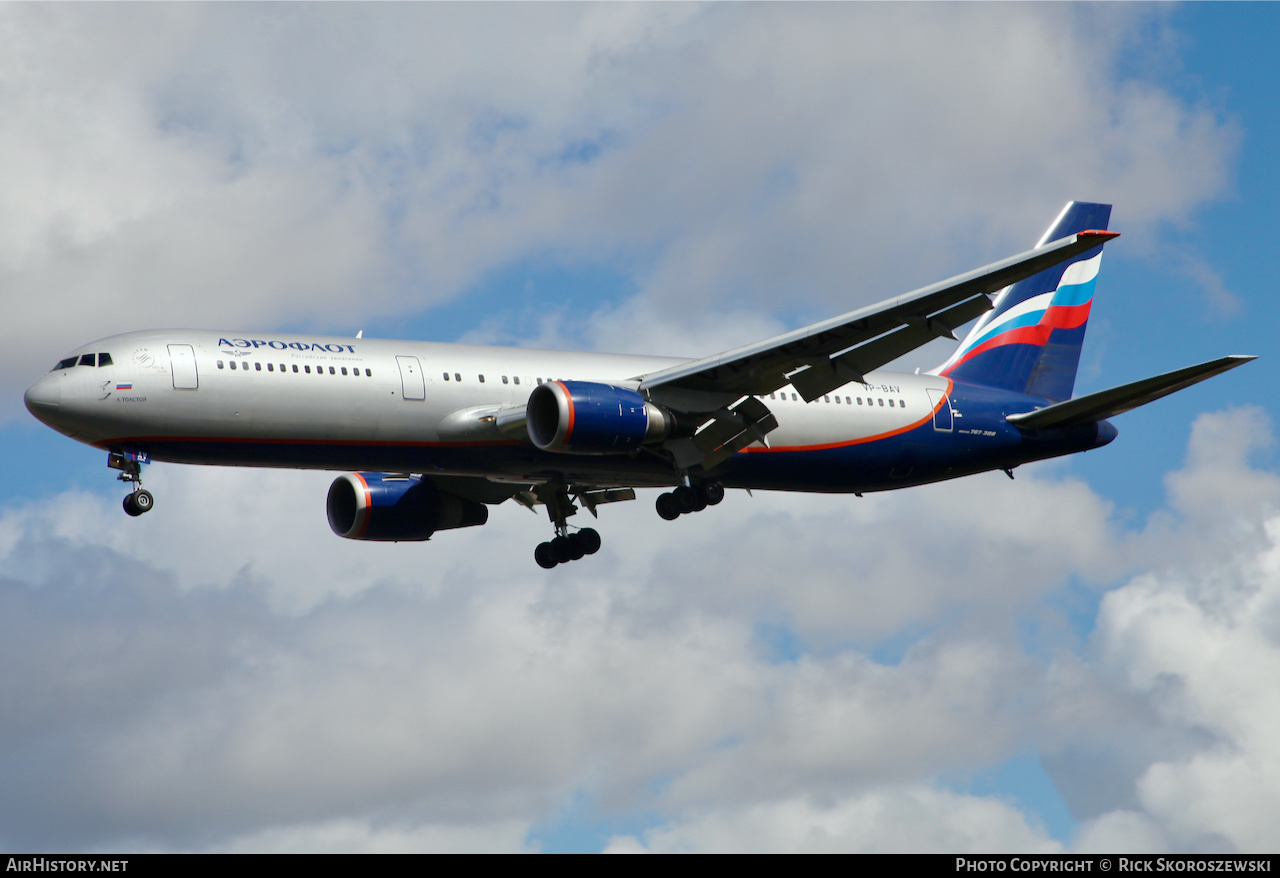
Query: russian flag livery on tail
[1030, 341]
[436, 433]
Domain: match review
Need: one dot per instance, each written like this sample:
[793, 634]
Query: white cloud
[908, 819]
[243, 166]
[224, 673]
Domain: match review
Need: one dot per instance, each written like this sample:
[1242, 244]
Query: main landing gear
[130, 466]
[565, 547]
[689, 498]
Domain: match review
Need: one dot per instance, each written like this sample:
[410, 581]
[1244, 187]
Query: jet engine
[583, 417]
[377, 506]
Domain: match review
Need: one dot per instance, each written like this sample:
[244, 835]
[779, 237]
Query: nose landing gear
[689, 498]
[138, 502]
[130, 466]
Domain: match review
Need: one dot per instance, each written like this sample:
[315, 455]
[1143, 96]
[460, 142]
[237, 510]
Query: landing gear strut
[130, 466]
[565, 547]
[689, 498]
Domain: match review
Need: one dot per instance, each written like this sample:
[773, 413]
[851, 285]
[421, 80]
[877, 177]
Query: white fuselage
[195, 385]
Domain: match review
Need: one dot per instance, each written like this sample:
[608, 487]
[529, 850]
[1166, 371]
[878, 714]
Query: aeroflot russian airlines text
[283, 345]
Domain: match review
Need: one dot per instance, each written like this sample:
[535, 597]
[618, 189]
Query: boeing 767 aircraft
[436, 433]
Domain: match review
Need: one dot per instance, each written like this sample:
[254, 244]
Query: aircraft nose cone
[44, 398]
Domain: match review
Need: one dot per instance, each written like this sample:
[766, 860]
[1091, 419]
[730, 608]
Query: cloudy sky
[1082, 659]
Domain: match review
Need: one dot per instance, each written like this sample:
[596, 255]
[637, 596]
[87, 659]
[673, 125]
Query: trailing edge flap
[1107, 403]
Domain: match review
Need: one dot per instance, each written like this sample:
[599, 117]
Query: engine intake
[583, 417]
[376, 506]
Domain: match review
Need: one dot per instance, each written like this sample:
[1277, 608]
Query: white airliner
[435, 433]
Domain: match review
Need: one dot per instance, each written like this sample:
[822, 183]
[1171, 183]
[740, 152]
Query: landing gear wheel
[712, 492]
[576, 548]
[143, 500]
[686, 500]
[138, 502]
[561, 550]
[667, 507]
[544, 556]
[590, 540]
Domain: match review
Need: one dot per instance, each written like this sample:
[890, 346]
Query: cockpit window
[104, 359]
[65, 364]
[89, 360]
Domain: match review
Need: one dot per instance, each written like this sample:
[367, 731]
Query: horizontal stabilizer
[1107, 403]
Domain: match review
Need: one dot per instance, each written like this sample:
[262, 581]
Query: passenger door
[411, 383]
[182, 365]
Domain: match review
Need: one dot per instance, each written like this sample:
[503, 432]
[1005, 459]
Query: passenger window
[446, 376]
[516, 379]
[859, 400]
[539, 382]
[504, 379]
[344, 370]
[902, 403]
[333, 371]
[219, 364]
[282, 368]
[307, 369]
[295, 367]
[837, 400]
[890, 403]
[482, 379]
[233, 365]
[368, 373]
[794, 397]
[882, 403]
[457, 376]
[257, 367]
[104, 359]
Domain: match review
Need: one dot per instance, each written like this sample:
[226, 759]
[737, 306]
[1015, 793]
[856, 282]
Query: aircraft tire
[712, 492]
[544, 556]
[577, 548]
[686, 499]
[590, 540]
[143, 501]
[667, 507]
[131, 507]
[561, 550]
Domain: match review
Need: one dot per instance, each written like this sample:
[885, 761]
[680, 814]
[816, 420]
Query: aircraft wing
[1117, 400]
[819, 358]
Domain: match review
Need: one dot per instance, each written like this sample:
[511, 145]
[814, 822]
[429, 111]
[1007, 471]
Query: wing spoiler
[1107, 403]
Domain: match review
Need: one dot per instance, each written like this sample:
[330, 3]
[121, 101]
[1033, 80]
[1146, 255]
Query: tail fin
[1030, 341]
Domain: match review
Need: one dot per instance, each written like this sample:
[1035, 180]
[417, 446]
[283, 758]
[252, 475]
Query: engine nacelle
[583, 417]
[375, 506]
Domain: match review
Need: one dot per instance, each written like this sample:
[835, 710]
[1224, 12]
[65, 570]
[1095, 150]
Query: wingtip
[1104, 234]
